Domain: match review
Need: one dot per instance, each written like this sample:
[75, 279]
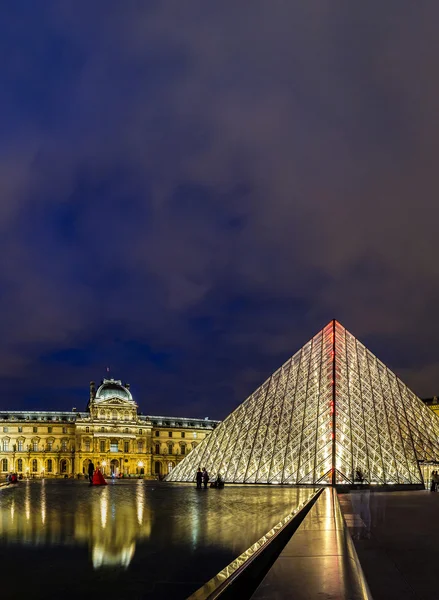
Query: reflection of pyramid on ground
[331, 414]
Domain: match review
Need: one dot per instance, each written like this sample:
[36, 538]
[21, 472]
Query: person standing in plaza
[91, 470]
[199, 478]
[435, 481]
[205, 477]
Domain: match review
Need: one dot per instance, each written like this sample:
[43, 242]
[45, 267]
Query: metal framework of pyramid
[332, 413]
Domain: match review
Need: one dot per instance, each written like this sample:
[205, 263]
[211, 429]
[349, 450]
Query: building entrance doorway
[114, 467]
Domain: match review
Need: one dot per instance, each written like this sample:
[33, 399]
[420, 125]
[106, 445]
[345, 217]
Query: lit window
[114, 447]
[20, 429]
[35, 446]
[20, 465]
[139, 446]
[87, 445]
[126, 446]
[20, 446]
[195, 434]
[170, 467]
[49, 446]
[5, 445]
[4, 465]
[102, 445]
[64, 445]
[34, 465]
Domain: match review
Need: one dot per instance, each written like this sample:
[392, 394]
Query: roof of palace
[113, 388]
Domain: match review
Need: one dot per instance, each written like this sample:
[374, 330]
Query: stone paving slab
[396, 538]
[317, 563]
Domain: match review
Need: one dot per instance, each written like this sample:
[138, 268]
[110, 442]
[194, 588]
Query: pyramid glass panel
[333, 413]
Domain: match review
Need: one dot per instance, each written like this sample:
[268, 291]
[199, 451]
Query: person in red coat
[98, 478]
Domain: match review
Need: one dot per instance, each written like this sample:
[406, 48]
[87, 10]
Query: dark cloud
[189, 192]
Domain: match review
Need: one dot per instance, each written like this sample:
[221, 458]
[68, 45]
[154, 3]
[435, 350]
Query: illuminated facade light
[333, 414]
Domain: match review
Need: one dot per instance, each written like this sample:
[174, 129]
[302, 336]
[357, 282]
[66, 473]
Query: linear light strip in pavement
[319, 561]
[241, 577]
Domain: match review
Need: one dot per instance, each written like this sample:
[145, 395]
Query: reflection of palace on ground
[108, 524]
[113, 519]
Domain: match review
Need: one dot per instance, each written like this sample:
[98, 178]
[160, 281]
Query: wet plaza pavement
[396, 538]
[137, 539]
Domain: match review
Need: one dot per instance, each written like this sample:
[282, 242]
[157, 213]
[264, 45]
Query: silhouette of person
[199, 478]
[91, 469]
[205, 477]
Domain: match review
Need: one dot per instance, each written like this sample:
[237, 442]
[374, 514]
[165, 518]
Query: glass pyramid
[333, 413]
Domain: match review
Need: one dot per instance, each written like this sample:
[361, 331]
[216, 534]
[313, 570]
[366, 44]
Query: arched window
[4, 465]
[20, 465]
[170, 466]
[34, 465]
[183, 449]
[63, 466]
[49, 465]
[157, 468]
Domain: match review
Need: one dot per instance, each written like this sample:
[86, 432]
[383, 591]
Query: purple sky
[190, 190]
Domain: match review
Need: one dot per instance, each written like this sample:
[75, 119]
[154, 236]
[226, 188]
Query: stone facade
[111, 433]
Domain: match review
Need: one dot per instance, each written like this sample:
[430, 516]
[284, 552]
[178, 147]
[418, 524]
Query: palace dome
[112, 388]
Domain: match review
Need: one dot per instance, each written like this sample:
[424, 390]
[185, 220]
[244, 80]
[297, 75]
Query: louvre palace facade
[111, 433]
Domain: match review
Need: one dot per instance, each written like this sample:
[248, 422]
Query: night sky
[190, 190]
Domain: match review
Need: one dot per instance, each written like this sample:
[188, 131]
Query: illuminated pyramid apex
[333, 413]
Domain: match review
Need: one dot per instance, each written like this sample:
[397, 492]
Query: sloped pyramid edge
[332, 413]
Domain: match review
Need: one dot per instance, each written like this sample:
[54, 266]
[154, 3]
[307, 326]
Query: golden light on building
[111, 433]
